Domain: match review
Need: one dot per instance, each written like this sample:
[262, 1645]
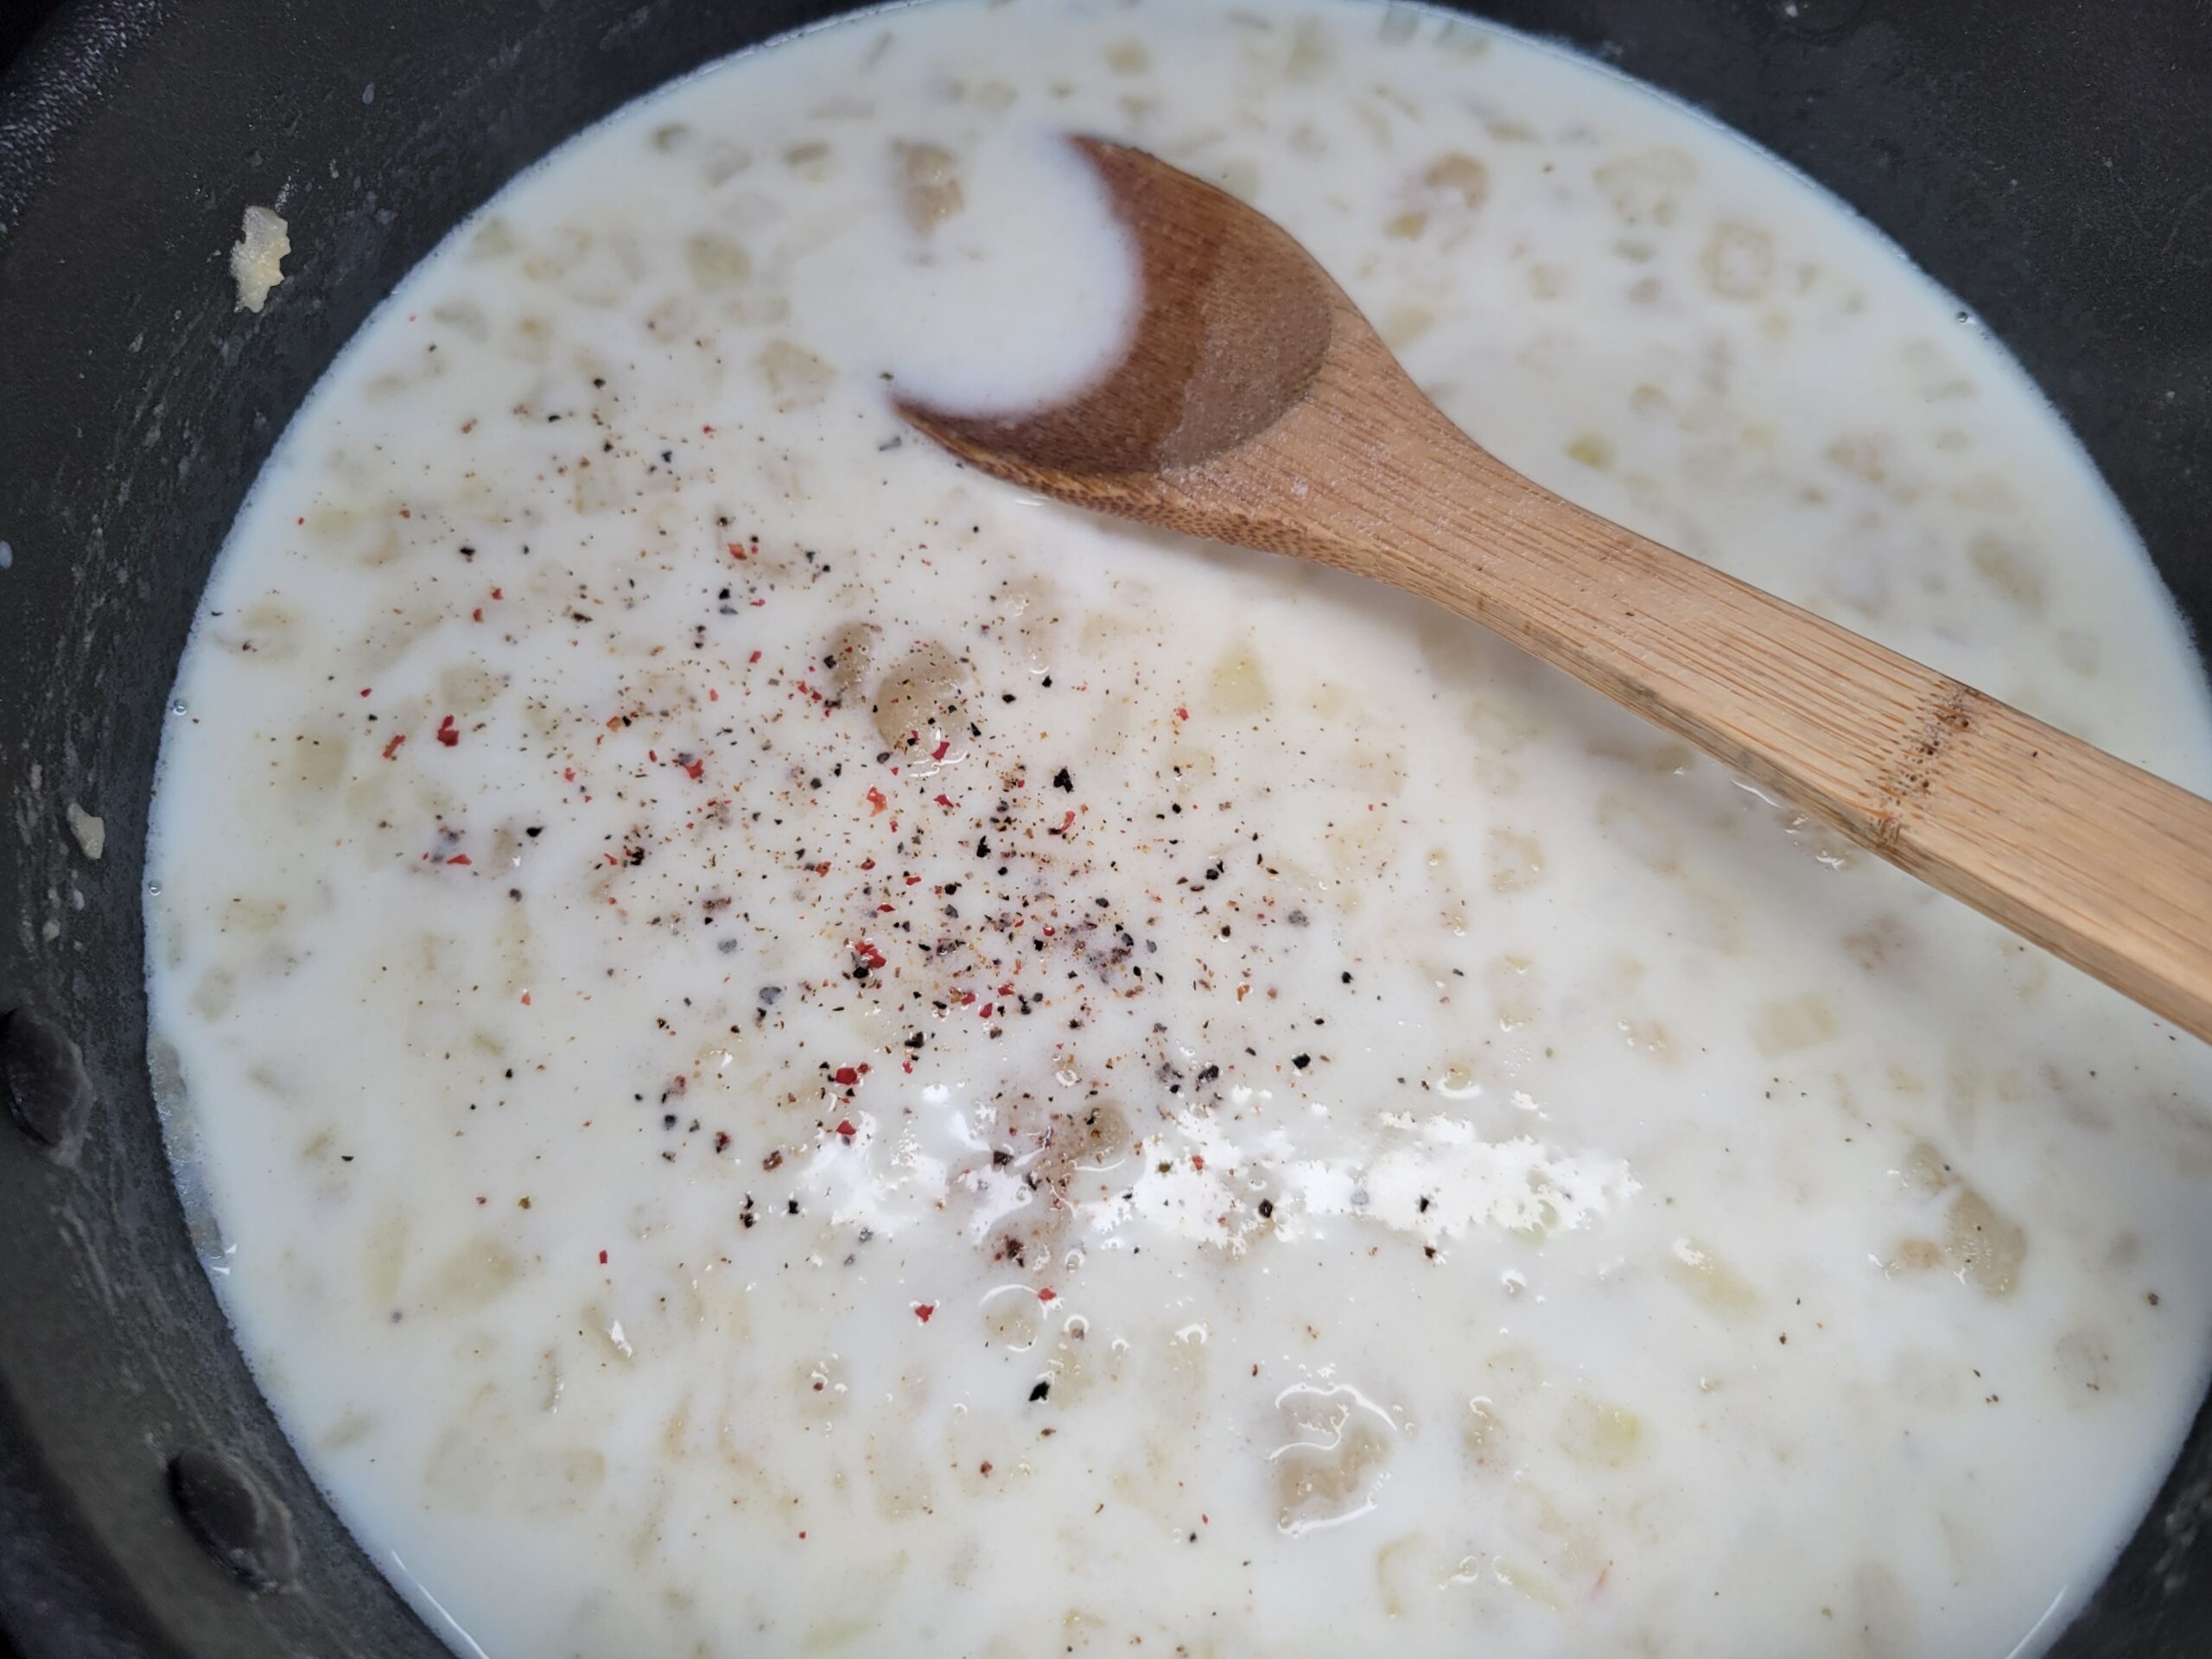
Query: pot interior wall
[2048, 168]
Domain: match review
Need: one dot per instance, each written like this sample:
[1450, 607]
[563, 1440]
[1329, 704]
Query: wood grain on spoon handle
[2097, 860]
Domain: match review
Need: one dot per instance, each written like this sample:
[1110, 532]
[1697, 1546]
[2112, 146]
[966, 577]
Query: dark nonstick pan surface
[2051, 160]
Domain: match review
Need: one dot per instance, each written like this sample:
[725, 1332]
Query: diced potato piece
[921, 690]
[1318, 1483]
[1516, 862]
[1738, 262]
[1128, 57]
[1462, 175]
[476, 1273]
[257, 258]
[1925, 1171]
[1604, 1436]
[1483, 1433]
[716, 262]
[1312, 52]
[929, 185]
[2013, 569]
[1789, 1024]
[1710, 1279]
[1645, 187]
[1239, 685]
[796, 376]
[1984, 1248]
[1594, 449]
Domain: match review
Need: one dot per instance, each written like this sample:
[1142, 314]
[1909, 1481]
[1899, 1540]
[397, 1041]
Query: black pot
[2051, 160]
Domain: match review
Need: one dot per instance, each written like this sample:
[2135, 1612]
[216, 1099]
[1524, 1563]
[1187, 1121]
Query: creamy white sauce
[1455, 1170]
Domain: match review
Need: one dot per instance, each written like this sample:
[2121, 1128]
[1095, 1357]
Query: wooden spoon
[1255, 405]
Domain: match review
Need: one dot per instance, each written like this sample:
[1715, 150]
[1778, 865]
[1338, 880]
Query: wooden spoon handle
[2094, 860]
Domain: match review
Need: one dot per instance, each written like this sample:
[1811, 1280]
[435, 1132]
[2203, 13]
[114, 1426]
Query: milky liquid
[777, 1048]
